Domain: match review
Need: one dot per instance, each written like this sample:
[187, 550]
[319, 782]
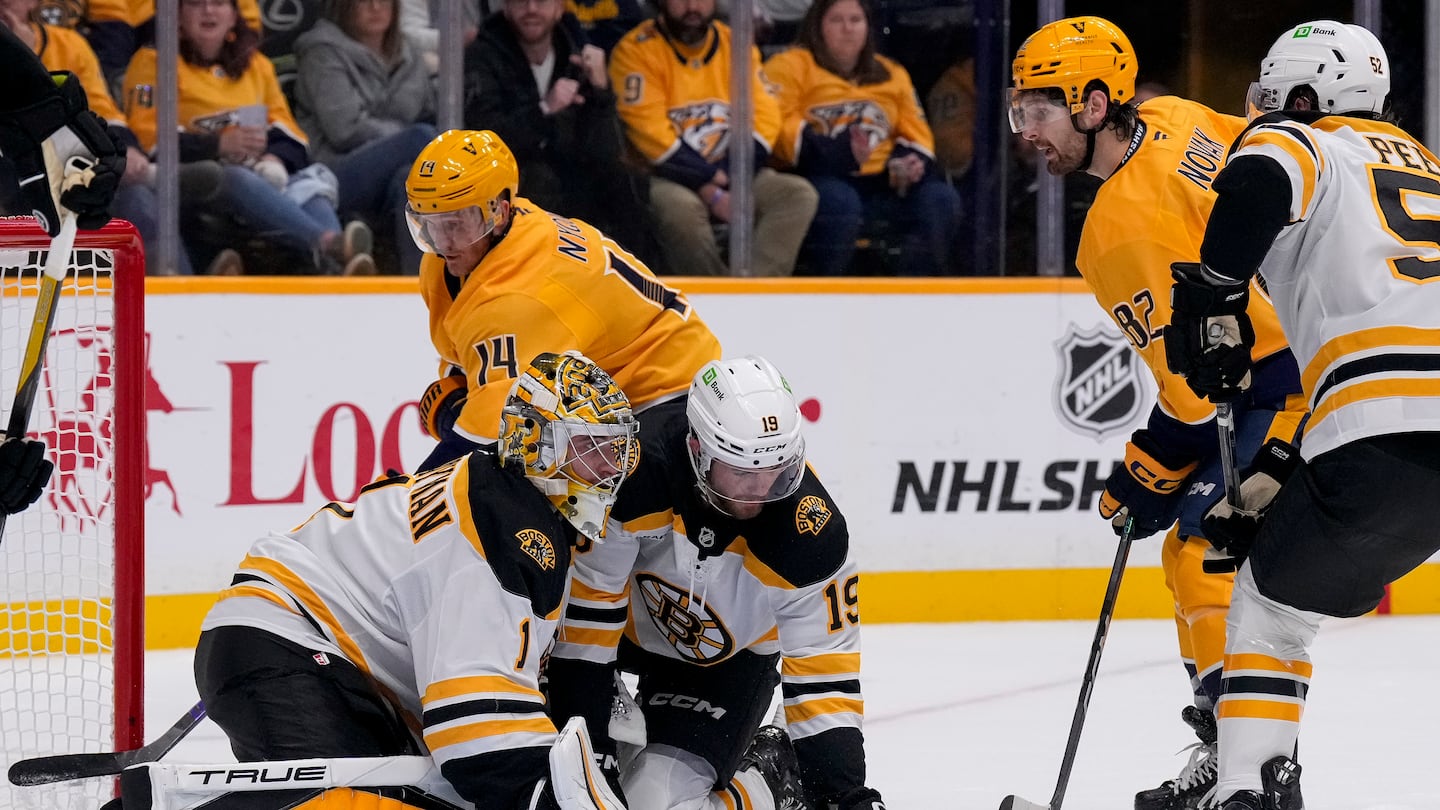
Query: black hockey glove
[24, 469]
[41, 138]
[1144, 487]
[860, 798]
[440, 405]
[1209, 337]
[1233, 530]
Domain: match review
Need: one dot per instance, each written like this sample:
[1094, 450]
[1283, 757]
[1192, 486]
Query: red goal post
[72, 566]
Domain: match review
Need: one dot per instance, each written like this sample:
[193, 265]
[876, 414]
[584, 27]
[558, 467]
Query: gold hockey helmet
[1070, 53]
[455, 188]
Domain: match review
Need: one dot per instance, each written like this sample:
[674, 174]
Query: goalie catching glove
[43, 137]
[24, 469]
[1209, 337]
[1144, 487]
[1232, 529]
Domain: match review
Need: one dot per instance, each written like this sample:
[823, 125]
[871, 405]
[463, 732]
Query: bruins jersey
[65, 49]
[674, 99]
[550, 285]
[684, 581]
[810, 96]
[209, 98]
[445, 588]
[1355, 288]
[1152, 212]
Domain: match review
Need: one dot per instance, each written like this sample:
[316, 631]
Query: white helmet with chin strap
[1344, 64]
[745, 443]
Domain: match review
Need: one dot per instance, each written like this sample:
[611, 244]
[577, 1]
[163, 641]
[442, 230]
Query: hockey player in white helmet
[1323, 197]
[725, 556]
[414, 619]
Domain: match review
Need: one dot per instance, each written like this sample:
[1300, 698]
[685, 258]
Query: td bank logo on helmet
[709, 379]
[1306, 30]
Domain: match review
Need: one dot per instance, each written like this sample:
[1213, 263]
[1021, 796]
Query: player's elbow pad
[440, 406]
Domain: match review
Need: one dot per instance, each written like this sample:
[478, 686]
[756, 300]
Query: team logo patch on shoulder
[534, 543]
[811, 514]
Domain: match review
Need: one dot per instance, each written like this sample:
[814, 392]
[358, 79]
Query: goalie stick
[57, 263]
[1087, 684]
[64, 767]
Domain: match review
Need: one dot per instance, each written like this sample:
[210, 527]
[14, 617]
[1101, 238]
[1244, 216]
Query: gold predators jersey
[1356, 288]
[811, 96]
[684, 581]
[208, 98]
[444, 587]
[550, 285]
[670, 94]
[65, 49]
[1152, 212]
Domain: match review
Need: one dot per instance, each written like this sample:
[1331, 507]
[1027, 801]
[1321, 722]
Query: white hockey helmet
[1344, 64]
[745, 443]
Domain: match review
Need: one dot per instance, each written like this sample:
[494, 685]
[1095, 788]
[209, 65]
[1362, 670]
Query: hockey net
[71, 566]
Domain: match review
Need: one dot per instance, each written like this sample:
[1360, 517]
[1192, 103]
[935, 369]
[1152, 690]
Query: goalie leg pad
[575, 779]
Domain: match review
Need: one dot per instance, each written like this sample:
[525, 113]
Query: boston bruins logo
[811, 515]
[534, 543]
[689, 626]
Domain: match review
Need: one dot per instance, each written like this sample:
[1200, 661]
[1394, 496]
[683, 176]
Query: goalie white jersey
[444, 587]
[1358, 292]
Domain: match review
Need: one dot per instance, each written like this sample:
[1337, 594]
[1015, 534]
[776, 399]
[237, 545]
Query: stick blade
[63, 768]
[1017, 803]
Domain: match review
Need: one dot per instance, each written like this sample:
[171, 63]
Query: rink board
[963, 426]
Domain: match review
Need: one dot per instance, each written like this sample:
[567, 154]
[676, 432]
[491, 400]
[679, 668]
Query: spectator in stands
[606, 21]
[673, 75]
[368, 103]
[231, 109]
[951, 108]
[117, 28]
[61, 48]
[853, 125]
[532, 79]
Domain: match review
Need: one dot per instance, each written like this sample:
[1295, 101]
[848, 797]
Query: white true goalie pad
[407, 782]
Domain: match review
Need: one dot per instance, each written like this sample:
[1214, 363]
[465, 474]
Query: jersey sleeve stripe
[311, 601]
[241, 591]
[649, 523]
[580, 591]
[797, 690]
[605, 615]
[451, 712]
[829, 665]
[1363, 340]
[592, 636]
[1428, 388]
[490, 734]
[476, 684]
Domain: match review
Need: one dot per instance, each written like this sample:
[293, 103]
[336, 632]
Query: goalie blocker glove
[1233, 530]
[24, 469]
[42, 137]
[1144, 487]
[1209, 337]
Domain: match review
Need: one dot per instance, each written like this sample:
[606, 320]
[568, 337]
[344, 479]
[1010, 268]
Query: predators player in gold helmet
[1073, 85]
[504, 279]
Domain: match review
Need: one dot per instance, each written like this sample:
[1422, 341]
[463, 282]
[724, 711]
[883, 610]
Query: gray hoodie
[346, 96]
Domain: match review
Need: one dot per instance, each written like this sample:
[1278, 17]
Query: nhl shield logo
[1097, 391]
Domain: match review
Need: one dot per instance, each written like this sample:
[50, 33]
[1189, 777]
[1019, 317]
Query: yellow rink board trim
[330, 285]
[173, 622]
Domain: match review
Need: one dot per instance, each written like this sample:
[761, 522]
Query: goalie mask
[1344, 65]
[570, 429]
[744, 441]
[455, 190]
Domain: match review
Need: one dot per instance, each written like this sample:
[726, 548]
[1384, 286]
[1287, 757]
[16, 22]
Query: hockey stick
[57, 263]
[1087, 685]
[64, 767]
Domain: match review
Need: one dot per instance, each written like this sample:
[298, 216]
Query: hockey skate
[772, 756]
[1281, 780]
[1187, 790]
